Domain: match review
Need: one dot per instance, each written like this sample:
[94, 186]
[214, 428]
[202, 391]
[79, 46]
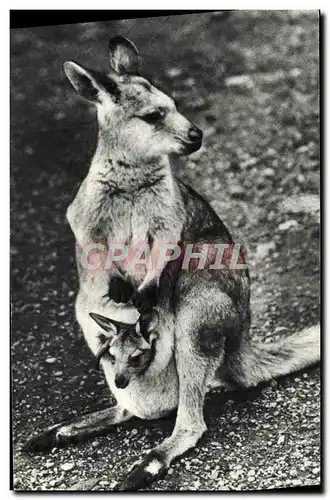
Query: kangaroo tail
[257, 362]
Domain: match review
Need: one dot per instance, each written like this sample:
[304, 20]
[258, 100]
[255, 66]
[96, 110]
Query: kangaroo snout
[195, 134]
[121, 381]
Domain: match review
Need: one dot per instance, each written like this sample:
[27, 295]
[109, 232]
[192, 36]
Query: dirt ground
[251, 83]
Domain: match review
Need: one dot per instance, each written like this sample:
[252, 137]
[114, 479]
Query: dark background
[250, 81]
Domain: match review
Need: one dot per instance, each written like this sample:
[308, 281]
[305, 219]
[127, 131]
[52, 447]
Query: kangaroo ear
[124, 56]
[104, 323]
[82, 81]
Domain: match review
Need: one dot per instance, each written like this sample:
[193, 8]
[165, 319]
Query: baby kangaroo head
[133, 115]
[124, 346]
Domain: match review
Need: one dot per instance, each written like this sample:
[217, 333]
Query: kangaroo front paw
[144, 473]
[146, 299]
[42, 442]
[120, 290]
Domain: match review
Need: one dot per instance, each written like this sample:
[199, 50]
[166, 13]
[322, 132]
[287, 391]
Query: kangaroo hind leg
[78, 429]
[195, 371]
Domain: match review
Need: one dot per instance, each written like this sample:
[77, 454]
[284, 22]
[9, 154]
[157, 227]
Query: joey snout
[121, 381]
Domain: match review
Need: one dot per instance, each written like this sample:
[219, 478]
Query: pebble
[50, 360]
[209, 131]
[289, 224]
[173, 72]
[234, 475]
[263, 249]
[189, 82]
[84, 485]
[268, 172]
[214, 474]
[239, 81]
[281, 440]
[250, 162]
[67, 466]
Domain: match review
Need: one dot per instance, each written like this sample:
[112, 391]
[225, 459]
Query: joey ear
[107, 324]
[82, 80]
[124, 56]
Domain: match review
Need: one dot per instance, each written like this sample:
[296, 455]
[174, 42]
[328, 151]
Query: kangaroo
[167, 334]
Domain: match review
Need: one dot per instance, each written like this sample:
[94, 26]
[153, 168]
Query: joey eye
[154, 116]
[135, 358]
[112, 358]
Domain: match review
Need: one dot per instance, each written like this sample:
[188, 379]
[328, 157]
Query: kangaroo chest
[130, 222]
[129, 230]
[125, 223]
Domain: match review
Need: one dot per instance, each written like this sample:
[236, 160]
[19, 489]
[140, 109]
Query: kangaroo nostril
[195, 134]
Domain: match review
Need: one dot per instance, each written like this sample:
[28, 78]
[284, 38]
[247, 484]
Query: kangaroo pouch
[147, 396]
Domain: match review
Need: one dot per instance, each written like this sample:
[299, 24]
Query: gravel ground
[251, 83]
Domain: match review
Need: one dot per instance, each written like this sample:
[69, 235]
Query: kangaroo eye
[135, 358]
[112, 358]
[154, 116]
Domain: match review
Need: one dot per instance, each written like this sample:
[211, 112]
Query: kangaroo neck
[121, 170]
